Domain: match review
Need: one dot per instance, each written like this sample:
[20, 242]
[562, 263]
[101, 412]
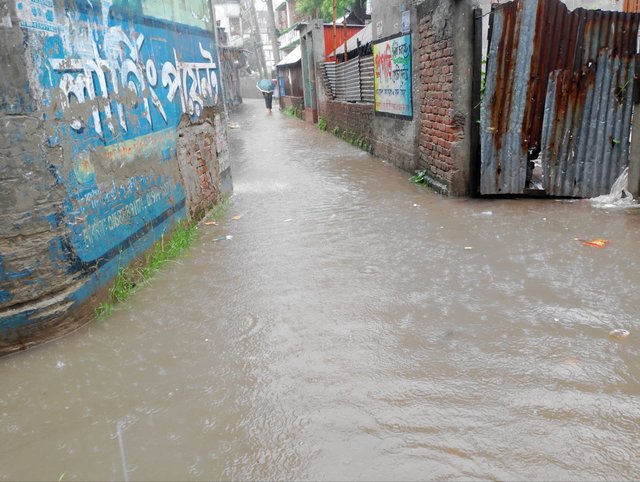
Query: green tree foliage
[323, 8]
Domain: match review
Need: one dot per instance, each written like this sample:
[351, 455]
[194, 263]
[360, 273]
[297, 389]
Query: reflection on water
[355, 327]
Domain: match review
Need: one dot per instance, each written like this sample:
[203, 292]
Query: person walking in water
[268, 100]
[266, 87]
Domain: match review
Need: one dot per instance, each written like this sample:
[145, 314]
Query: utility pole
[249, 7]
[272, 32]
[335, 8]
[344, 21]
[221, 81]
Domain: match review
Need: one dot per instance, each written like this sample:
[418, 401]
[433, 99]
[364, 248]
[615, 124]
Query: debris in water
[238, 217]
[211, 223]
[233, 125]
[619, 197]
[468, 248]
[287, 220]
[487, 213]
[594, 243]
[619, 334]
[223, 238]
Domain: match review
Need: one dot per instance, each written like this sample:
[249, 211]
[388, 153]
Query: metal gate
[558, 100]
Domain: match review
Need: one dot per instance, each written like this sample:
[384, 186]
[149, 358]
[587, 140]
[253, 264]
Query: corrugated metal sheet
[631, 6]
[329, 78]
[559, 86]
[350, 81]
[503, 151]
[367, 78]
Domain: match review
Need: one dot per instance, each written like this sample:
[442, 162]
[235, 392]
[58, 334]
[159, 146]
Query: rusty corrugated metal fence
[559, 88]
[631, 6]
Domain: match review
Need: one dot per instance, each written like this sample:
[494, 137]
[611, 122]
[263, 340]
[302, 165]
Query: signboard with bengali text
[392, 85]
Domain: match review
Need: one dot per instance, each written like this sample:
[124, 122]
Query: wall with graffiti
[112, 134]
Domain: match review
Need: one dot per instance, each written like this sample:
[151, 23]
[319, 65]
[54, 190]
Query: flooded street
[355, 326]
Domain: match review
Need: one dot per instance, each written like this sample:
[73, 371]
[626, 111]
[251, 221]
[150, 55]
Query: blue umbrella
[265, 85]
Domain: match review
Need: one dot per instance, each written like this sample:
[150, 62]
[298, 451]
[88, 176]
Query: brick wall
[358, 122]
[349, 118]
[199, 169]
[448, 57]
[442, 137]
[439, 129]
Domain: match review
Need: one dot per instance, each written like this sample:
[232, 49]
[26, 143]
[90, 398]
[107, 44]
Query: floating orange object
[595, 243]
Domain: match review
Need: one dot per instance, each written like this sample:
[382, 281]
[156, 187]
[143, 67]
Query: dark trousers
[268, 99]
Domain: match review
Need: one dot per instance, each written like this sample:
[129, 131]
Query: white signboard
[406, 21]
[37, 15]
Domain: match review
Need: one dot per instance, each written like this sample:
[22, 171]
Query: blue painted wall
[94, 120]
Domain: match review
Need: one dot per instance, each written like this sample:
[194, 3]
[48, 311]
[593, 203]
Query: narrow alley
[352, 326]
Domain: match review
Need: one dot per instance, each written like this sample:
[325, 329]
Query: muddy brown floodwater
[355, 326]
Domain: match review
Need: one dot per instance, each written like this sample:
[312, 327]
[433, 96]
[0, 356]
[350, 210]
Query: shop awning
[292, 58]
